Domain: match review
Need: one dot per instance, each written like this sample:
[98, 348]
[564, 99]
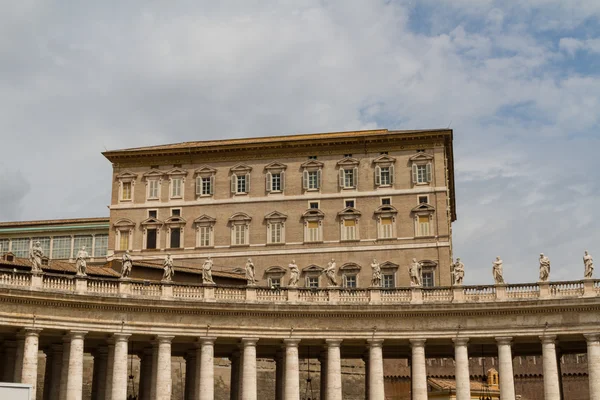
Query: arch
[124, 222]
[350, 266]
[240, 217]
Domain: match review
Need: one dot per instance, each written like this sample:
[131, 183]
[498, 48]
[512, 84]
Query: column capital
[591, 337]
[248, 342]
[333, 342]
[504, 340]
[460, 341]
[206, 340]
[76, 334]
[289, 342]
[417, 342]
[120, 337]
[375, 342]
[162, 339]
[31, 331]
[548, 339]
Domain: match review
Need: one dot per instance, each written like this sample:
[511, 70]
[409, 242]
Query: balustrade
[432, 295]
[401, 295]
[146, 289]
[188, 292]
[569, 289]
[53, 282]
[480, 293]
[229, 293]
[103, 286]
[267, 294]
[354, 296]
[523, 291]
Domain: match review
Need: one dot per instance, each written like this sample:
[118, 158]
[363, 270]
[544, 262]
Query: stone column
[376, 388]
[62, 394]
[593, 357]
[205, 357]
[154, 369]
[30, 358]
[234, 386]
[323, 375]
[146, 374]
[367, 374]
[56, 371]
[10, 354]
[551, 384]
[192, 368]
[292, 369]
[249, 391]
[418, 371]
[334, 369]
[163, 369]
[279, 375]
[118, 388]
[505, 368]
[19, 358]
[75, 374]
[109, 371]
[463, 380]
[99, 379]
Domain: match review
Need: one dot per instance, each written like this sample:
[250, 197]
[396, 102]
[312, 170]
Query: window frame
[273, 219]
[123, 227]
[239, 172]
[350, 270]
[240, 221]
[312, 168]
[424, 210]
[381, 162]
[200, 174]
[386, 212]
[204, 222]
[310, 217]
[422, 160]
[349, 214]
[271, 170]
[348, 173]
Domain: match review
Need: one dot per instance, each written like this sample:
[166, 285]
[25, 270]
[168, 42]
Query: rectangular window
[388, 281]
[386, 201]
[275, 282]
[124, 240]
[312, 157]
[204, 185]
[428, 280]
[241, 184]
[175, 238]
[4, 246]
[385, 176]
[312, 281]
[276, 182]
[350, 281]
[349, 227]
[313, 179]
[126, 191]
[348, 203]
[61, 247]
[239, 234]
[20, 247]
[276, 232]
[44, 243]
[348, 178]
[423, 199]
[347, 155]
[150, 239]
[313, 204]
[153, 189]
[176, 184]
[386, 228]
[176, 212]
[205, 232]
[152, 213]
[421, 173]
[313, 231]
[80, 241]
[101, 246]
[423, 225]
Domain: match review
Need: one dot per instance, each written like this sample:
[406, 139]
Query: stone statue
[250, 276]
[414, 271]
[81, 261]
[376, 274]
[294, 274]
[168, 268]
[35, 256]
[497, 271]
[544, 268]
[207, 271]
[458, 272]
[588, 262]
[330, 273]
[126, 265]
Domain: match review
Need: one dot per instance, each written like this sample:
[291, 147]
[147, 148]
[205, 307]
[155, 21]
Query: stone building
[348, 197]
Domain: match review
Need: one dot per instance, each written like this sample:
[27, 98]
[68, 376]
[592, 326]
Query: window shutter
[341, 180]
[268, 182]
[305, 179]
[212, 184]
[377, 175]
[198, 185]
[355, 178]
[428, 171]
[392, 174]
[282, 180]
[247, 183]
[233, 183]
[318, 179]
[414, 173]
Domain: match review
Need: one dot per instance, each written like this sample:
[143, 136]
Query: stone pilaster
[163, 381]
[593, 357]
[249, 391]
[19, 358]
[56, 371]
[292, 369]
[62, 394]
[463, 380]
[118, 388]
[30, 358]
[146, 374]
[109, 371]
[154, 370]
[99, 379]
[505, 368]
[75, 374]
[550, 368]
[418, 369]
[375, 376]
[206, 381]
[334, 369]
[234, 390]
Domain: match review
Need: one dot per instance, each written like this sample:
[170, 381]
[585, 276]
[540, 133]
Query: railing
[331, 295]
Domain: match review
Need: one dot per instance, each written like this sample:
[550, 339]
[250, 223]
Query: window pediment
[275, 166]
[312, 164]
[348, 162]
[153, 174]
[124, 223]
[205, 220]
[388, 265]
[275, 270]
[384, 159]
[176, 172]
[205, 170]
[349, 212]
[240, 218]
[423, 208]
[421, 157]
[312, 269]
[350, 267]
[240, 168]
[276, 215]
[313, 214]
[126, 176]
[175, 220]
[428, 263]
[386, 209]
[151, 222]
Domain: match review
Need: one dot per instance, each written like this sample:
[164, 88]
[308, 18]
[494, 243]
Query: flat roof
[55, 225]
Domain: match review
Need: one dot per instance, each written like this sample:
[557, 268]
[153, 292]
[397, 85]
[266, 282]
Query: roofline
[93, 220]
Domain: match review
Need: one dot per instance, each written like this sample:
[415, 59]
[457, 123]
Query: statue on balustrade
[168, 269]
[207, 271]
[376, 277]
[35, 256]
[497, 271]
[250, 273]
[544, 268]
[330, 273]
[414, 270]
[294, 274]
[81, 261]
[126, 265]
[458, 272]
[588, 262]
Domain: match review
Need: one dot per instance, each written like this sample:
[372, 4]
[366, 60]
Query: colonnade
[64, 368]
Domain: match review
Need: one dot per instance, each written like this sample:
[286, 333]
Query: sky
[518, 82]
